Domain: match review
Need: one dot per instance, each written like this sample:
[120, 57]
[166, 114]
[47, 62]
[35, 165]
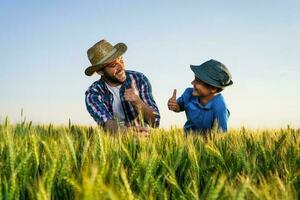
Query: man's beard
[112, 79]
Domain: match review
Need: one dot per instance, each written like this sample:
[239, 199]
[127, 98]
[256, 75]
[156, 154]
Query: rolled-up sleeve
[96, 107]
[147, 97]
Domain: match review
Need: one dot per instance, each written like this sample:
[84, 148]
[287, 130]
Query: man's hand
[141, 131]
[112, 127]
[172, 103]
[132, 95]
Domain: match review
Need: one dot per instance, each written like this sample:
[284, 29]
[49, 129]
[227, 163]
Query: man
[120, 98]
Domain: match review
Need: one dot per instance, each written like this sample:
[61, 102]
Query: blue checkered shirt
[99, 100]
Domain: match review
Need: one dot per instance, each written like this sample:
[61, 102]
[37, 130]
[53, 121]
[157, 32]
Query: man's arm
[146, 111]
[112, 126]
[99, 111]
[145, 105]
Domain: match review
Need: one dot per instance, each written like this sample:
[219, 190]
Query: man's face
[114, 72]
[201, 89]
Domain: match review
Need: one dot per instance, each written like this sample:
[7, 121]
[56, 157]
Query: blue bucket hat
[213, 73]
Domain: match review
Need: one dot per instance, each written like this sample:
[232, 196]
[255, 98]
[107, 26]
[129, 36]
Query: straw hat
[101, 53]
[213, 73]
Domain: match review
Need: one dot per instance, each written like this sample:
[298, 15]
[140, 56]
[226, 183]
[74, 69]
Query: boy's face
[201, 89]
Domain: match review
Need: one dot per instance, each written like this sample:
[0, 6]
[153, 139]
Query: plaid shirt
[99, 100]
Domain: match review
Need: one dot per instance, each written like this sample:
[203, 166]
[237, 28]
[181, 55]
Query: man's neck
[112, 84]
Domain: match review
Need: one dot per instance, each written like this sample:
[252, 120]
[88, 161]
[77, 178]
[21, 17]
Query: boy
[203, 104]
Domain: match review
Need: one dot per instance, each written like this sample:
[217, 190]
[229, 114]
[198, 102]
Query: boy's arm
[173, 104]
[221, 118]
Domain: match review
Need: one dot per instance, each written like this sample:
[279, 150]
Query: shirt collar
[209, 104]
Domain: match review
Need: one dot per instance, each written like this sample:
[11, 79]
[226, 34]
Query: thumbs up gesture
[172, 103]
[132, 94]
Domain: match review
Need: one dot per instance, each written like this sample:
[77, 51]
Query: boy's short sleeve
[182, 100]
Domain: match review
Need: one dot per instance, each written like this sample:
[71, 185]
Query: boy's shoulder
[219, 102]
[187, 95]
[188, 91]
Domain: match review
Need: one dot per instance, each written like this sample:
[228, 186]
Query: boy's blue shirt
[202, 118]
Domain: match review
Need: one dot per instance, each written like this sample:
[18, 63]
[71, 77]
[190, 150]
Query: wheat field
[77, 162]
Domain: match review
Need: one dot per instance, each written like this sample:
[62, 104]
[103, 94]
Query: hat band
[106, 56]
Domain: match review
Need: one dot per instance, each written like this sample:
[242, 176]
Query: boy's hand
[172, 103]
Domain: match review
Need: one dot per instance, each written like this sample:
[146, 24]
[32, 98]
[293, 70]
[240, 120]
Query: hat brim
[117, 51]
[200, 74]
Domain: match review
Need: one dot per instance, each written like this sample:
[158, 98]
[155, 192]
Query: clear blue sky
[43, 54]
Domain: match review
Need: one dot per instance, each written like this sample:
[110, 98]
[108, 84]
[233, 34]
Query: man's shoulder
[135, 73]
[137, 76]
[96, 86]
